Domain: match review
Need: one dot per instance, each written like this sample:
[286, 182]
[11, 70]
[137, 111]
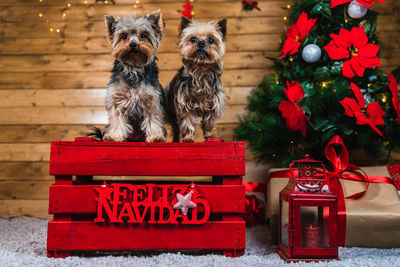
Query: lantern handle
[308, 186]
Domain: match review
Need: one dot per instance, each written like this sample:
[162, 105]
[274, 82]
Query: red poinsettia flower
[394, 89]
[187, 13]
[295, 117]
[353, 45]
[366, 3]
[353, 108]
[296, 34]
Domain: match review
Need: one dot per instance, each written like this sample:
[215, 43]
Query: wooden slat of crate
[116, 158]
[79, 199]
[73, 236]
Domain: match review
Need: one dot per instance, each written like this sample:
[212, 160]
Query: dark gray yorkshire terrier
[134, 100]
[196, 91]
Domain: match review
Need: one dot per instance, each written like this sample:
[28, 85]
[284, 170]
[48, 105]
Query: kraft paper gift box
[373, 220]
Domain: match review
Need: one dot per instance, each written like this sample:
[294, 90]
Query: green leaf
[322, 73]
[337, 67]
[317, 9]
[319, 124]
[346, 130]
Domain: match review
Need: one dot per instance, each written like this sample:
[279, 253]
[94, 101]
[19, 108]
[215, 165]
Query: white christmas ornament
[184, 203]
[311, 53]
[357, 10]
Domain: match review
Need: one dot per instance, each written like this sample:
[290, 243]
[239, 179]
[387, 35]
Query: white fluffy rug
[23, 243]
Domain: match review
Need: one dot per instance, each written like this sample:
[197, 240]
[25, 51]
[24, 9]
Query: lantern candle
[312, 235]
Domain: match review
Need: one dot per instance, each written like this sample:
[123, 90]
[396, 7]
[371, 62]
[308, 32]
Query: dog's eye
[143, 36]
[210, 40]
[193, 40]
[124, 37]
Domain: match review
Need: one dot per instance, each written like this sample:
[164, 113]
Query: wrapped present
[370, 204]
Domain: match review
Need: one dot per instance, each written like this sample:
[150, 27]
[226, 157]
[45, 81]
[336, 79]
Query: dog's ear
[222, 27]
[110, 26]
[157, 22]
[184, 23]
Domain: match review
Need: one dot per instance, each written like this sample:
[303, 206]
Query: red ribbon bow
[340, 164]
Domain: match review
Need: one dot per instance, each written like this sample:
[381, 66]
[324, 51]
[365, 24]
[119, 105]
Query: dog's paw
[110, 138]
[158, 138]
[188, 139]
[210, 136]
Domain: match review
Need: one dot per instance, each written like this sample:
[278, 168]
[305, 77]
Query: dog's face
[135, 41]
[202, 42]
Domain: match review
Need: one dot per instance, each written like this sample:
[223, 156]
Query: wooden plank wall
[52, 85]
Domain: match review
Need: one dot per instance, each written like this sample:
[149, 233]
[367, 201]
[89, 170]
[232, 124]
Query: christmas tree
[327, 82]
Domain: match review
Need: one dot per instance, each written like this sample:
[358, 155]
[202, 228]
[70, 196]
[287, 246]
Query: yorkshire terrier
[196, 90]
[135, 98]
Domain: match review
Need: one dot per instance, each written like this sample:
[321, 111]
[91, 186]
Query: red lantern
[307, 214]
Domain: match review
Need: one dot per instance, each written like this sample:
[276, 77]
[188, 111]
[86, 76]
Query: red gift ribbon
[254, 211]
[340, 164]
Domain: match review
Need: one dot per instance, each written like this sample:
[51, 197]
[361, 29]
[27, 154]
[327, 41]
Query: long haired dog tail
[96, 133]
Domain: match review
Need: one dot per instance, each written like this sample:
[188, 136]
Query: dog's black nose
[133, 46]
[201, 44]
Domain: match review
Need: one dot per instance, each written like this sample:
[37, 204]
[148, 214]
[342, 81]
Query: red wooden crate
[135, 215]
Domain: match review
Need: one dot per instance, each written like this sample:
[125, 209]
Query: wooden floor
[52, 85]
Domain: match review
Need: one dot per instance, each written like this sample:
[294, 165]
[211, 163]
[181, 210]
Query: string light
[63, 12]
[277, 82]
[106, 2]
[135, 6]
[370, 84]
[284, 18]
[384, 99]
[323, 84]
[137, 1]
[291, 59]
[385, 143]
[85, 2]
[345, 20]
[288, 6]
[192, 13]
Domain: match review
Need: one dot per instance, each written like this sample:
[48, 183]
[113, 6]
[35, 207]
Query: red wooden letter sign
[155, 204]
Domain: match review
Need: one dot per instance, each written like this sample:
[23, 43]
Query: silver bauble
[311, 53]
[357, 10]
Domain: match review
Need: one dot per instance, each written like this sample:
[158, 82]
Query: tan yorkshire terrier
[134, 100]
[196, 91]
